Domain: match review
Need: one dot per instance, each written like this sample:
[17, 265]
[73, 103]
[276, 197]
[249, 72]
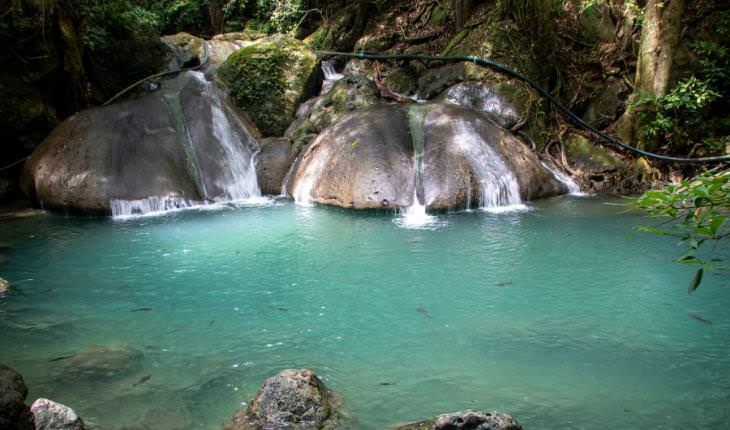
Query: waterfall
[330, 76]
[498, 187]
[570, 184]
[415, 216]
[219, 150]
[302, 191]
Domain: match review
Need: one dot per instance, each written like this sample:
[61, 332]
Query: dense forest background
[655, 73]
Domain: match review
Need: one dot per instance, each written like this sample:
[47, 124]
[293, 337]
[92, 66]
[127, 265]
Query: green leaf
[658, 231]
[696, 280]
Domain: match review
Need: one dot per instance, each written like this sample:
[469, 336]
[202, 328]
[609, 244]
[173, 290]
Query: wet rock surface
[366, 161]
[49, 415]
[167, 144]
[14, 414]
[504, 103]
[292, 399]
[466, 420]
[273, 163]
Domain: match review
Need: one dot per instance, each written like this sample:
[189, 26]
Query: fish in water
[423, 311]
[700, 319]
[503, 283]
[141, 310]
[211, 323]
[238, 252]
[283, 309]
[142, 380]
[385, 384]
[63, 357]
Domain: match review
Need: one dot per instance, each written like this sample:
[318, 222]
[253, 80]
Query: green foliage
[105, 21]
[679, 116]
[699, 210]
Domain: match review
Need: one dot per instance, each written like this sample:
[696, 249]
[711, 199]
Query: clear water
[552, 315]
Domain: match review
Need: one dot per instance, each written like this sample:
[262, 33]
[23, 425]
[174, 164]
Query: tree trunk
[215, 12]
[462, 11]
[660, 36]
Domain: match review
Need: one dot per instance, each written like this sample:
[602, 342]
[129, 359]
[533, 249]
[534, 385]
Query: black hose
[509, 72]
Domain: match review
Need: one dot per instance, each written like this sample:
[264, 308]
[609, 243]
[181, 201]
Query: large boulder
[14, 414]
[189, 50]
[49, 415]
[445, 156]
[180, 144]
[293, 399]
[270, 78]
[466, 420]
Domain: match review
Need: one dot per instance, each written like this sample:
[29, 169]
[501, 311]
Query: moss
[269, 79]
[588, 156]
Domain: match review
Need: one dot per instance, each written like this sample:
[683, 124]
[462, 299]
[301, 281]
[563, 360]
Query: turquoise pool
[553, 315]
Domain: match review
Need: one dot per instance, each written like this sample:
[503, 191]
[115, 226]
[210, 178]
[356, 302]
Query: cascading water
[573, 188]
[330, 76]
[219, 150]
[415, 215]
[302, 192]
[498, 187]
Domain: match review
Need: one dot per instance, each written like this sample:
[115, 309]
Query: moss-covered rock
[588, 157]
[270, 78]
[347, 95]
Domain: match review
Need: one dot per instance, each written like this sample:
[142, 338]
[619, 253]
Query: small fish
[700, 319]
[141, 310]
[142, 380]
[385, 384]
[503, 283]
[283, 309]
[238, 252]
[63, 357]
[211, 323]
[423, 311]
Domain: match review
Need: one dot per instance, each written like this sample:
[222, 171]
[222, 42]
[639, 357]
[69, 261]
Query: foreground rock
[178, 145]
[293, 399]
[467, 420]
[49, 415]
[270, 78]
[14, 414]
[439, 155]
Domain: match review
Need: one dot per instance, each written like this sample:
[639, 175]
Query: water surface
[552, 315]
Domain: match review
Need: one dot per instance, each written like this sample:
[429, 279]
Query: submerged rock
[466, 420]
[102, 362]
[14, 414]
[49, 415]
[444, 156]
[293, 399]
[181, 144]
[270, 78]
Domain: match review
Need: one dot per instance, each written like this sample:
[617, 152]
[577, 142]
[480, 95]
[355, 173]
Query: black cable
[509, 72]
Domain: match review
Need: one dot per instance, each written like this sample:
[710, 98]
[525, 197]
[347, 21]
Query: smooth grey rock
[165, 144]
[50, 415]
[273, 162]
[366, 161]
[293, 399]
[14, 414]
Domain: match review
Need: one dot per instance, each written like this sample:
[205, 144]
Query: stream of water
[553, 315]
